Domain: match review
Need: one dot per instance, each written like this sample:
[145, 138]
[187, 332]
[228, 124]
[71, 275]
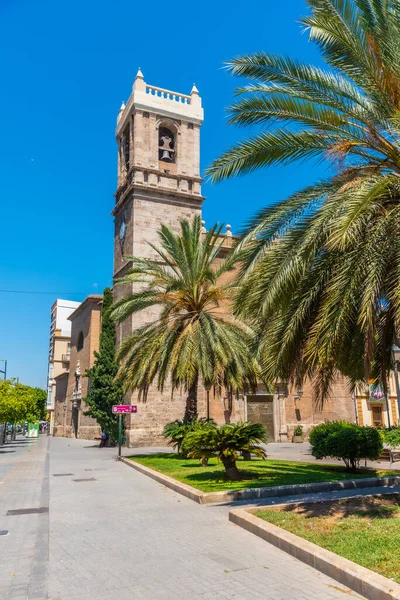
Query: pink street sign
[119, 409]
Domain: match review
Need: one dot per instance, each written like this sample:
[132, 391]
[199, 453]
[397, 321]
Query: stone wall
[301, 411]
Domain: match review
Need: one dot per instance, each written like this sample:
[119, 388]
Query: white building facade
[59, 347]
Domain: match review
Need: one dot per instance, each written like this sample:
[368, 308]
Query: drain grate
[3, 531]
[85, 479]
[28, 511]
[62, 474]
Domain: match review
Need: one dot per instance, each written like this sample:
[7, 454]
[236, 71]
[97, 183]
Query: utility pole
[4, 372]
[3, 425]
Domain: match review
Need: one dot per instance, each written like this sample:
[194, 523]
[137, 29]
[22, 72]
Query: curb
[177, 486]
[369, 584]
[258, 493]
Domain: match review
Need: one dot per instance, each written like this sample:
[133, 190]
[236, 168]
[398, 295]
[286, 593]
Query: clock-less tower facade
[158, 137]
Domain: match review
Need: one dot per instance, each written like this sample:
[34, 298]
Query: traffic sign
[119, 409]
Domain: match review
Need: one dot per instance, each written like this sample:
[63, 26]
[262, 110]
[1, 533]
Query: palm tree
[176, 431]
[321, 269]
[192, 340]
[226, 443]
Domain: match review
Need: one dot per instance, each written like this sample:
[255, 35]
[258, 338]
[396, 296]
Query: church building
[159, 182]
[158, 137]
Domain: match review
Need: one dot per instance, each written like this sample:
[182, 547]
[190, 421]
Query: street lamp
[208, 387]
[4, 372]
[396, 360]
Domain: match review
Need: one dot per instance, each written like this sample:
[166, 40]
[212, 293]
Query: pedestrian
[104, 439]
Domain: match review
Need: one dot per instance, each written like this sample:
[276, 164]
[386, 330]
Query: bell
[166, 155]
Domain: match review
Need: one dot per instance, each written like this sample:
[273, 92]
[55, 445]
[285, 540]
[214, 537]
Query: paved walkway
[24, 551]
[117, 535]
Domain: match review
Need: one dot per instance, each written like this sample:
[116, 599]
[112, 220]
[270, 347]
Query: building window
[79, 345]
[126, 147]
[166, 145]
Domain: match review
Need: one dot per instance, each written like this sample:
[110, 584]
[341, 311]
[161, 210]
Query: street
[104, 531]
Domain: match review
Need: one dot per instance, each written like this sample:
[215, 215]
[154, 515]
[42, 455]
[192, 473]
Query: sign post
[122, 409]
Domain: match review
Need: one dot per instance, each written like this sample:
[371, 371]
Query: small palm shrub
[298, 431]
[345, 441]
[392, 437]
[177, 430]
[226, 442]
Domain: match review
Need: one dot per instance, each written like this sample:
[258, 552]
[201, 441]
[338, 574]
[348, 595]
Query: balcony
[65, 358]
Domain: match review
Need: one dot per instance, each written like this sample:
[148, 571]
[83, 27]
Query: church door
[260, 409]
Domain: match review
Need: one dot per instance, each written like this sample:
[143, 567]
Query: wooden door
[377, 417]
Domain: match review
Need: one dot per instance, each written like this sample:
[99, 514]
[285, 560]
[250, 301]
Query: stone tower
[158, 137]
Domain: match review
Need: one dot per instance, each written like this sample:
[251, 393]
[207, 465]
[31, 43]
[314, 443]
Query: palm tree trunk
[231, 470]
[191, 401]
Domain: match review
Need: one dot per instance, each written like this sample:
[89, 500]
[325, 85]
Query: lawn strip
[256, 473]
[365, 530]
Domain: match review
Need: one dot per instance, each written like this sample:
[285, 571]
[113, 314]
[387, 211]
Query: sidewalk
[117, 535]
[114, 534]
[24, 470]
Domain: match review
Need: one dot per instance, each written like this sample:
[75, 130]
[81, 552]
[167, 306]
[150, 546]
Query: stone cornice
[157, 194]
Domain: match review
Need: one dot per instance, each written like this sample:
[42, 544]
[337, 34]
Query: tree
[226, 442]
[192, 339]
[105, 390]
[321, 269]
[176, 431]
[40, 400]
[19, 402]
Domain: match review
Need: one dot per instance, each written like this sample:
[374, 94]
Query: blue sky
[65, 68]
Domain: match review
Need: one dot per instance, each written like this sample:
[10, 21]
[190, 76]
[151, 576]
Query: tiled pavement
[24, 484]
[115, 534]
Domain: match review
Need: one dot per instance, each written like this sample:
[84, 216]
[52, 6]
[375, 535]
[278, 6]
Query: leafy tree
[105, 390]
[226, 442]
[40, 400]
[321, 269]
[192, 339]
[346, 441]
[19, 402]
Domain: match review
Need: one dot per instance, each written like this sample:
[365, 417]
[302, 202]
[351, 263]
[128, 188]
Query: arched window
[79, 345]
[166, 145]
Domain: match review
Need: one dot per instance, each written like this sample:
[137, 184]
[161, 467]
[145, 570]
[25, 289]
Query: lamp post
[396, 360]
[208, 387]
[4, 372]
[75, 416]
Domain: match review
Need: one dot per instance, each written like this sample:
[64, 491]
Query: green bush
[345, 441]
[392, 437]
[177, 431]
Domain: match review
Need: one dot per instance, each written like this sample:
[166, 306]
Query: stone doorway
[260, 409]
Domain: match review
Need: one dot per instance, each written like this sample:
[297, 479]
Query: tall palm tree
[193, 340]
[321, 270]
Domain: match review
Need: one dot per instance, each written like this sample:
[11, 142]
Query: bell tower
[158, 137]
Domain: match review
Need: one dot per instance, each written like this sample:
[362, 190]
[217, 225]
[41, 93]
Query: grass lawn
[256, 473]
[364, 530]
